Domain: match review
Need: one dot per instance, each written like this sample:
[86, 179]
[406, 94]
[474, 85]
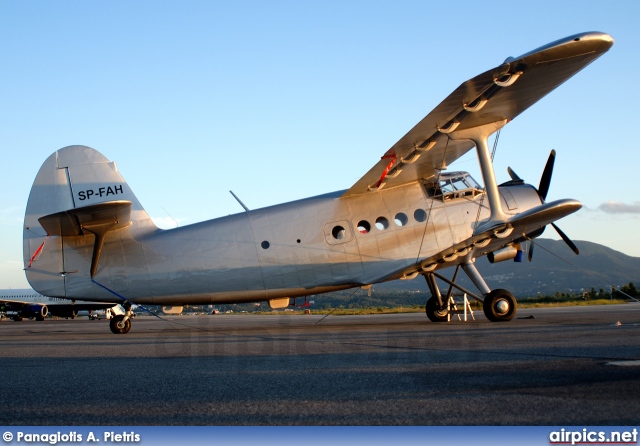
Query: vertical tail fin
[77, 199]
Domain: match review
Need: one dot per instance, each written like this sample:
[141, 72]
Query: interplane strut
[480, 136]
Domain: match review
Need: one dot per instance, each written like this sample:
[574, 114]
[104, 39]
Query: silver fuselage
[288, 250]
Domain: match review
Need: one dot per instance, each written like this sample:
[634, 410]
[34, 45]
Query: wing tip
[592, 41]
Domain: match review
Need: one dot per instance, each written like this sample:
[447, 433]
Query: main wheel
[434, 313]
[118, 327]
[499, 306]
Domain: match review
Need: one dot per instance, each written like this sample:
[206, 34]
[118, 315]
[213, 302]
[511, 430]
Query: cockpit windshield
[454, 185]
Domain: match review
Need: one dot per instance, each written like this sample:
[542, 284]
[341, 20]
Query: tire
[433, 312]
[500, 306]
[113, 325]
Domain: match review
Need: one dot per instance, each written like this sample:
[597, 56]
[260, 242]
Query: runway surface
[554, 369]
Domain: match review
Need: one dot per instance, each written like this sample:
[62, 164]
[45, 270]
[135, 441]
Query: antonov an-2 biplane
[87, 236]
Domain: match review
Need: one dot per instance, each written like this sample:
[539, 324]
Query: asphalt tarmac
[564, 366]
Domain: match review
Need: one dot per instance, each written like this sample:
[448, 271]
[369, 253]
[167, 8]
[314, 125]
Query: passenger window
[401, 219]
[420, 215]
[382, 223]
[364, 227]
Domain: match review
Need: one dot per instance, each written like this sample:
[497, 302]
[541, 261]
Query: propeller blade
[514, 176]
[545, 180]
[530, 253]
[566, 239]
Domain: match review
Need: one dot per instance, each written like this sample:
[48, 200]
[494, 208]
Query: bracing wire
[331, 312]
[584, 271]
[426, 223]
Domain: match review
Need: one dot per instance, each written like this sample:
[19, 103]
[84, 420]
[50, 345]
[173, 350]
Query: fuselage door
[338, 232]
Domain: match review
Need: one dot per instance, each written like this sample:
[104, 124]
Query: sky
[280, 100]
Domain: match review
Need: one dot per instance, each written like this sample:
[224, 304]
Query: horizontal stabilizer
[112, 215]
[97, 219]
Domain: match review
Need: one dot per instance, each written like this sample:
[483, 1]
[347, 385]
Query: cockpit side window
[459, 184]
[454, 185]
[446, 186]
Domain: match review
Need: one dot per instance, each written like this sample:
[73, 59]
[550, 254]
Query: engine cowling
[34, 310]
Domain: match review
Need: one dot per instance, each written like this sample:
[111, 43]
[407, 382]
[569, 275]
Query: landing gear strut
[436, 308]
[498, 305]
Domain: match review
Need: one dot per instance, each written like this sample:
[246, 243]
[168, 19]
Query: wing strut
[480, 135]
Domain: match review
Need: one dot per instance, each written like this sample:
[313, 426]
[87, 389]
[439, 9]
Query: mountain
[597, 266]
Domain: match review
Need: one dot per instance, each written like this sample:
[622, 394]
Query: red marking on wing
[393, 157]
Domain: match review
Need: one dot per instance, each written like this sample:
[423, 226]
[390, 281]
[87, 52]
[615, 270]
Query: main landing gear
[498, 305]
[121, 323]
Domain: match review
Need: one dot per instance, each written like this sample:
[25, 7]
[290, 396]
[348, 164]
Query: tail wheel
[118, 325]
[500, 306]
[434, 313]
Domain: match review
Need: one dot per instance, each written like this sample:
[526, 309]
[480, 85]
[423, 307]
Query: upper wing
[499, 94]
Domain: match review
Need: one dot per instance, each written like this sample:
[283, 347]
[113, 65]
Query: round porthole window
[364, 227]
[420, 215]
[382, 223]
[338, 232]
[401, 219]
[265, 245]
